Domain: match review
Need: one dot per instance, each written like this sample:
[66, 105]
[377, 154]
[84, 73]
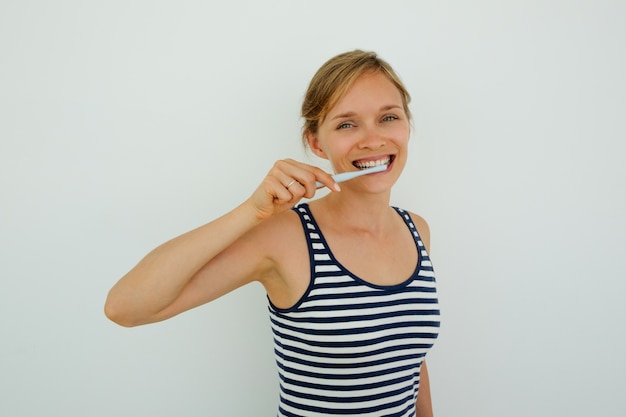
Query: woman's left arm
[423, 405]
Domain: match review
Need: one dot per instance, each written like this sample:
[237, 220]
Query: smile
[369, 164]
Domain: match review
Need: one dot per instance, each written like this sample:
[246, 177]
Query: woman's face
[368, 126]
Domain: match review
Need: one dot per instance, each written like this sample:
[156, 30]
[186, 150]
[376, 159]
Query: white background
[125, 123]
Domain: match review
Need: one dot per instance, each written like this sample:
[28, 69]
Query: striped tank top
[351, 348]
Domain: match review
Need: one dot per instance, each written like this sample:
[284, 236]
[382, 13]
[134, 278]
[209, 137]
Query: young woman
[351, 289]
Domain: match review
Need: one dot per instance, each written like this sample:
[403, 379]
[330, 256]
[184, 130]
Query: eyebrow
[351, 113]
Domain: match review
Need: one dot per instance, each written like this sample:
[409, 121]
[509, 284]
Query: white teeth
[370, 164]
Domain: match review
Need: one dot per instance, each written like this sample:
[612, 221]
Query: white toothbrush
[345, 176]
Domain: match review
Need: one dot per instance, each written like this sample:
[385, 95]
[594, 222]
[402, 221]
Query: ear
[314, 144]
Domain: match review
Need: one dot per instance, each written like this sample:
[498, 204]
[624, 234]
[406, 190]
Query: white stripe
[350, 360]
[359, 337]
[429, 274]
[364, 300]
[326, 268]
[333, 279]
[355, 371]
[345, 291]
[347, 394]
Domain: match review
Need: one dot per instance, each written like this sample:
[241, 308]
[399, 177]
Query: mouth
[364, 164]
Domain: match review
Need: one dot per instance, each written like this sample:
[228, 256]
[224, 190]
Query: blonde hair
[333, 79]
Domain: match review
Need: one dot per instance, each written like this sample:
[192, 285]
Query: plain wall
[126, 123]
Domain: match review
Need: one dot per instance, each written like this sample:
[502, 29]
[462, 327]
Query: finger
[309, 175]
[281, 193]
[287, 170]
[326, 180]
[297, 190]
[295, 177]
[287, 190]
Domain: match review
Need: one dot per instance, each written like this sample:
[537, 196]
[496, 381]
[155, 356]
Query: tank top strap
[423, 253]
[314, 238]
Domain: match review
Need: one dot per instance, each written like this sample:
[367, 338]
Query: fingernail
[337, 187]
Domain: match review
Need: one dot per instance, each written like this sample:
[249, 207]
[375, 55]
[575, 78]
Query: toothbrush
[345, 176]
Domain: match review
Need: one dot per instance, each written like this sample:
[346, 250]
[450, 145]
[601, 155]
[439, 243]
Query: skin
[262, 240]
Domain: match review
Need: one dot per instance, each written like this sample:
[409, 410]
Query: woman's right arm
[162, 284]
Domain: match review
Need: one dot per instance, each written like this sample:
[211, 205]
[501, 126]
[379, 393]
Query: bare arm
[423, 405]
[143, 294]
[166, 282]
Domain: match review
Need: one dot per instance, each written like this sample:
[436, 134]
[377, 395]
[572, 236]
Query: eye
[345, 125]
[389, 118]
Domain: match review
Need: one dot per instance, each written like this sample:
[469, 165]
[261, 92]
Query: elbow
[114, 312]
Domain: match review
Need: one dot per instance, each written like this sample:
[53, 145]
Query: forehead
[369, 90]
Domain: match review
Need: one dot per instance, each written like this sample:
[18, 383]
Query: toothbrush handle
[345, 176]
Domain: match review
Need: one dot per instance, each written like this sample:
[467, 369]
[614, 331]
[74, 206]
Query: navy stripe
[354, 330]
[348, 284]
[388, 303]
[349, 354]
[365, 317]
[405, 412]
[357, 343]
[336, 411]
[341, 273]
[345, 400]
[346, 353]
[407, 379]
[346, 376]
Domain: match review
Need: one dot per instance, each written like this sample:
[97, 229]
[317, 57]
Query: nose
[372, 138]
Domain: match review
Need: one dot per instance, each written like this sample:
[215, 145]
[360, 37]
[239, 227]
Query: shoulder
[279, 228]
[282, 241]
[278, 238]
[266, 242]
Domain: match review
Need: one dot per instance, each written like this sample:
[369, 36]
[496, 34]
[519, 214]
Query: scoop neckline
[344, 269]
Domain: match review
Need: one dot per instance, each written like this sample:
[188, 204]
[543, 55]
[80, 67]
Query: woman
[351, 289]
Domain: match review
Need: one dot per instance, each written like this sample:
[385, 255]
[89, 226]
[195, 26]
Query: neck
[365, 212]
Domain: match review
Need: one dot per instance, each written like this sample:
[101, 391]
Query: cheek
[338, 142]
[402, 134]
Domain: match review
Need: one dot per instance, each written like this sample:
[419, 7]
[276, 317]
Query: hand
[287, 183]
